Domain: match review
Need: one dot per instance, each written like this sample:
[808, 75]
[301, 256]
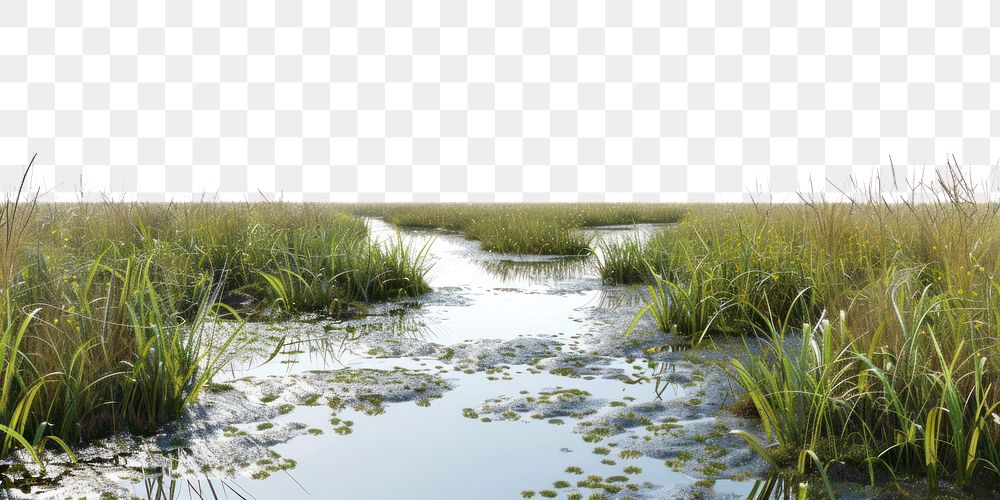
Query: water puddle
[511, 378]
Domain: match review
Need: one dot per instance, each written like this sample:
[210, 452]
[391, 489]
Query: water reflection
[165, 487]
[660, 376]
[538, 271]
[621, 297]
[773, 486]
[328, 344]
[477, 296]
[162, 484]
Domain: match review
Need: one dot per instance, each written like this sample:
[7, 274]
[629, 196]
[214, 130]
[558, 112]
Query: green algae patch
[565, 371]
[232, 431]
[217, 388]
[550, 405]
[678, 462]
[598, 434]
[274, 463]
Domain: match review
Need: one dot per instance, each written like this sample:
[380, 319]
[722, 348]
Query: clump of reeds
[902, 379]
[111, 312]
[544, 229]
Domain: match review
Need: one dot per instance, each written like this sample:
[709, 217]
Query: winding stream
[512, 370]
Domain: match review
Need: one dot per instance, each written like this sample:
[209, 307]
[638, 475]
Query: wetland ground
[500, 351]
[510, 379]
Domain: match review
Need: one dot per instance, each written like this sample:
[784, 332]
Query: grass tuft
[872, 326]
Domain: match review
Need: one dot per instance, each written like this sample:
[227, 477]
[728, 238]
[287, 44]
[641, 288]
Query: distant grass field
[881, 324]
[524, 228]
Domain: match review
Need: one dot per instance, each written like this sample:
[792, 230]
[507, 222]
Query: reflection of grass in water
[164, 483]
[166, 487]
[344, 338]
[537, 270]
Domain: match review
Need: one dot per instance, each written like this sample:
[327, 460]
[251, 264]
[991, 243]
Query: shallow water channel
[511, 376]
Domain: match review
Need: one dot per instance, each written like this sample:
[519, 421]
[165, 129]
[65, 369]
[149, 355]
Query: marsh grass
[540, 229]
[113, 351]
[325, 272]
[322, 256]
[524, 234]
[111, 312]
[623, 261]
[902, 379]
[688, 307]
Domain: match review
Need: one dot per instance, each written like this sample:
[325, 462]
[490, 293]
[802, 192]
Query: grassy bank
[524, 228]
[896, 369]
[106, 310]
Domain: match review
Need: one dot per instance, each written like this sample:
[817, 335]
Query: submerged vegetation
[877, 325]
